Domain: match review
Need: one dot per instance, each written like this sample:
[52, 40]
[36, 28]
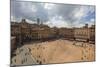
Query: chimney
[86, 26]
[38, 21]
[23, 21]
[92, 26]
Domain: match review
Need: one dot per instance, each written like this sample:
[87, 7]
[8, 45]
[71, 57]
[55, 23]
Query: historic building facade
[67, 33]
[85, 33]
[25, 32]
[92, 33]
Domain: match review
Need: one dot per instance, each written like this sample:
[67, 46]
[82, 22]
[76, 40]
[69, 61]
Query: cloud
[57, 22]
[48, 6]
[28, 10]
[92, 20]
[60, 15]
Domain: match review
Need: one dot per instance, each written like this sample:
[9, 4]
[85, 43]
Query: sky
[53, 14]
